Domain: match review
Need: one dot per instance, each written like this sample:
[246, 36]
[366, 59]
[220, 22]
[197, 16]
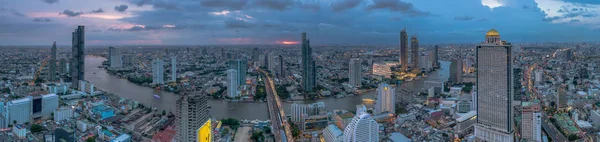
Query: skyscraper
[354, 73]
[232, 83]
[362, 128]
[192, 111]
[281, 66]
[62, 67]
[110, 53]
[114, 57]
[456, 69]
[241, 66]
[494, 89]
[271, 62]
[386, 99]
[561, 97]
[158, 69]
[414, 52]
[174, 68]
[309, 80]
[404, 50]
[531, 126]
[255, 54]
[78, 59]
[436, 63]
[52, 69]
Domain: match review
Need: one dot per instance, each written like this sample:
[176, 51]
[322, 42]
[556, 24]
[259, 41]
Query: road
[276, 113]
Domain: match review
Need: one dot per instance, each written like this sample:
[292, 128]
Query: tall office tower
[425, 62]
[19, 111]
[115, 58]
[561, 97]
[436, 57]
[414, 52]
[362, 128]
[192, 111]
[271, 62]
[255, 54]
[404, 50]
[78, 60]
[62, 69]
[456, 70]
[281, 66]
[531, 121]
[355, 73]
[494, 89]
[174, 68]
[262, 60]
[52, 72]
[241, 66]
[232, 83]
[309, 80]
[158, 70]
[386, 99]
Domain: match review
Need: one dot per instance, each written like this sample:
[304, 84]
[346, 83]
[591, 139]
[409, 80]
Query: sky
[343, 22]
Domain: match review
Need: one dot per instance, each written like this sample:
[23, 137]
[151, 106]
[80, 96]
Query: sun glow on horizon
[288, 42]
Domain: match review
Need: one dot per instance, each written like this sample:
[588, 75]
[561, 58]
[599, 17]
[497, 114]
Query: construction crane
[37, 74]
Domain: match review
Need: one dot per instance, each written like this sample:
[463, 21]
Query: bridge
[281, 127]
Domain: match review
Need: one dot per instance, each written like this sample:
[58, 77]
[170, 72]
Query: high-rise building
[232, 83]
[281, 66]
[297, 110]
[301, 111]
[494, 89]
[333, 134]
[561, 97]
[404, 50]
[362, 128]
[174, 68]
[255, 54]
[309, 80]
[414, 52]
[241, 66]
[62, 69]
[158, 70]
[262, 60]
[52, 62]
[110, 53]
[531, 123]
[425, 62]
[386, 99]
[19, 111]
[355, 73]
[271, 62]
[456, 70]
[114, 57]
[78, 59]
[49, 104]
[569, 55]
[192, 111]
[436, 63]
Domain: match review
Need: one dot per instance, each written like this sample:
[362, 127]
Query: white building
[425, 62]
[386, 99]
[174, 68]
[19, 111]
[271, 60]
[116, 59]
[362, 128]
[361, 109]
[538, 76]
[354, 72]
[82, 126]
[158, 69]
[531, 126]
[20, 131]
[87, 87]
[298, 110]
[383, 69]
[232, 83]
[64, 113]
[332, 134]
[49, 104]
[494, 90]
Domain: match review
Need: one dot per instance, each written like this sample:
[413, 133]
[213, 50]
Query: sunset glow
[287, 42]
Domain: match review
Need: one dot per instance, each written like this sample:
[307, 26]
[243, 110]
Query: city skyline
[131, 22]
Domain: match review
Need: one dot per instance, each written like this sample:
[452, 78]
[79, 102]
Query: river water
[220, 108]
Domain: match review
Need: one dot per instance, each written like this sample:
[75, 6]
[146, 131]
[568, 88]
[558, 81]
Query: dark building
[78, 59]
[281, 66]
[436, 63]
[309, 80]
[456, 70]
[404, 50]
[414, 52]
[52, 62]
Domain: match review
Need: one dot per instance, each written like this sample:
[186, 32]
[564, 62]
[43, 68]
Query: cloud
[325, 26]
[13, 12]
[342, 5]
[137, 28]
[397, 6]
[226, 4]
[237, 23]
[464, 18]
[121, 8]
[99, 10]
[492, 3]
[70, 13]
[575, 21]
[550, 19]
[311, 6]
[50, 1]
[583, 1]
[280, 5]
[40, 19]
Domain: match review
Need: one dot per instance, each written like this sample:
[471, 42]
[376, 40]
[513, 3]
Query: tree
[91, 139]
[231, 122]
[164, 113]
[36, 128]
[572, 137]
[257, 136]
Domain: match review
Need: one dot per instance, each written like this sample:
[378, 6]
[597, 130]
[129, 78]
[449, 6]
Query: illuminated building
[414, 52]
[531, 124]
[386, 99]
[494, 89]
[404, 50]
[383, 69]
[205, 132]
[362, 128]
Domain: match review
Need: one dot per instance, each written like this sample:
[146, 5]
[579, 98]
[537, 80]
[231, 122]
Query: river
[220, 108]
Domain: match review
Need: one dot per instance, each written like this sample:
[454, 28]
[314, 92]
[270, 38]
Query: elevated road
[276, 114]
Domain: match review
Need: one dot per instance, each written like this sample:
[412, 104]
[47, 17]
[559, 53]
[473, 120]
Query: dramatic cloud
[121, 8]
[50, 1]
[397, 6]
[342, 5]
[583, 1]
[99, 10]
[464, 18]
[237, 23]
[70, 13]
[226, 4]
[274, 4]
[492, 3]
[13, 12]
[138, 28]
[41, 20]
